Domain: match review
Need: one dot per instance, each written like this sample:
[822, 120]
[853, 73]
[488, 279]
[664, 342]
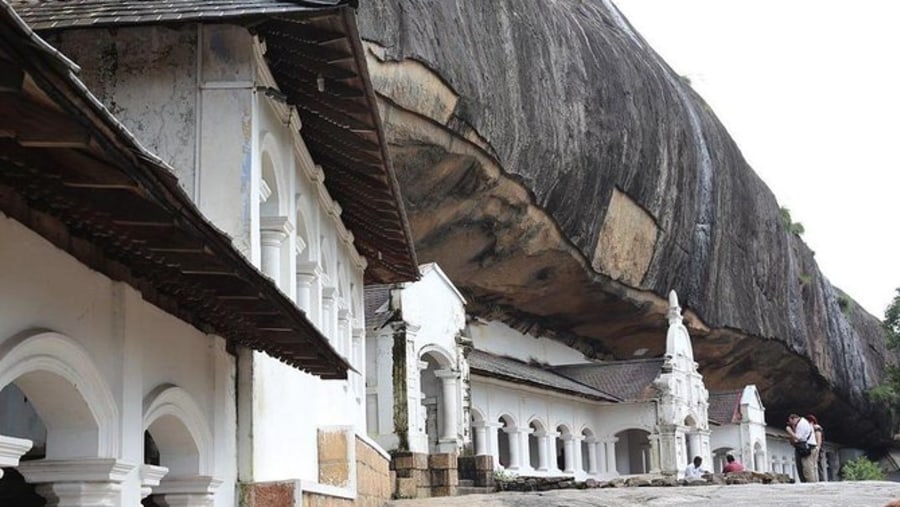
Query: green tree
[888, 392]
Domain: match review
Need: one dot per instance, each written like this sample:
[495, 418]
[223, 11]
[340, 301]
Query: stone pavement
[829, 494]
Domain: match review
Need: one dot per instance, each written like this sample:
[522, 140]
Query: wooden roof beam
[11, 77]
[34, 125]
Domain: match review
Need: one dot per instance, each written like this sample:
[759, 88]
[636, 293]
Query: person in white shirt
[802, 430]
[694, 471]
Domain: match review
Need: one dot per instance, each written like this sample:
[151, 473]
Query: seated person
[695, 471]
[732, 466]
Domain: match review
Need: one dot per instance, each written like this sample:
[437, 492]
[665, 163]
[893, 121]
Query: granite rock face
[566, 178]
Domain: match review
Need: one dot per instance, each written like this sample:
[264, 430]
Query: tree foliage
[892, 322]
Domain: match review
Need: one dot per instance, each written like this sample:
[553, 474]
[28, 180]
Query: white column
[493, 447]
[95, 482]
[272, 233]
[611, 455]
[543, 462]
[449, 441]
[196, 491]
[11, 449]
[552, 450]
[569, 451]
[602, 465]
[522, 437]
[309, 296]
[343, 331]
[480, 433]
[515, 457]
[329, 315]
[592, 456]
[304, 292]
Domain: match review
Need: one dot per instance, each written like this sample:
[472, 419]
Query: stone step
[466, 483]
[473, 490]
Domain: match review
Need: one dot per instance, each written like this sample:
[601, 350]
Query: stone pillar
[449, 440]
[611, 455]
[93, 482]
[654, 454]
[601, 457]
[11, 449]
[196, 491]
[577, 456]
[543, 462]
[592, 456]
[569, 451]
[304, 292]
[272, 233]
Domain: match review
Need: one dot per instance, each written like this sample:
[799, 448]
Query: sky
[810, 91]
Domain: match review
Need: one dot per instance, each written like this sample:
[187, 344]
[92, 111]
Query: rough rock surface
[566, 178]
[829, 494]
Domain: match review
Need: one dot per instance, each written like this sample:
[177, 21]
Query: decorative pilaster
[94, 482]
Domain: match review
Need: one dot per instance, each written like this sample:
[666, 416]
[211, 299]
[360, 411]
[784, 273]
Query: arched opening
[718, 457]
[633, 451]
[504, 440]
[51, 393]
[274, 225]
[479, 432]
[564, 460]
[586, 442]
[534, 445]
[438, 407]
[759, 458]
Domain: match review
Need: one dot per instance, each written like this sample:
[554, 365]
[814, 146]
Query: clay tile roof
[316, 57]
[71, 172]
[629, 380]
[512, 370]
[725, 406]
[377, 312]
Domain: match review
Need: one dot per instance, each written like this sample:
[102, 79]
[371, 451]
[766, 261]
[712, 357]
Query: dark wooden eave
[317, 59]
[72, 173]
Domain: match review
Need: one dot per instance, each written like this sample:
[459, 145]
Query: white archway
[180, 430]
[67, 391]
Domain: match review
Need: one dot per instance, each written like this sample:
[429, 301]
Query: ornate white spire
[674, 314]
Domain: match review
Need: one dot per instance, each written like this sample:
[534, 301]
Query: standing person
[820, 441]
[791, 425]
[803, 432]
[732, 466]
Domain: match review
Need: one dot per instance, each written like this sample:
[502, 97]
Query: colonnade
[600, 458]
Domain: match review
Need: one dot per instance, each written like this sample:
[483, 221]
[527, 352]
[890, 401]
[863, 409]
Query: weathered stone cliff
[566, 178]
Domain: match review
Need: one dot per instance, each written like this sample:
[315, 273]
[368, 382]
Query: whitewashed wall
[136, 349]
[498, 338]
[434, 315]
[493, 399]
[191, 95]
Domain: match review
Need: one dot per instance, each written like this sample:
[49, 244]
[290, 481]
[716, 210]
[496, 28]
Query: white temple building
[437, 383]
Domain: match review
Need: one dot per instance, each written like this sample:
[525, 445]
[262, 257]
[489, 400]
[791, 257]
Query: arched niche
[179, 430]
[505, 436]
[538, 430]
[67, 392]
